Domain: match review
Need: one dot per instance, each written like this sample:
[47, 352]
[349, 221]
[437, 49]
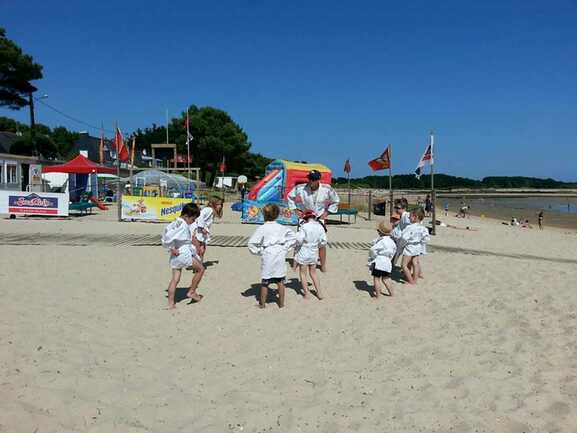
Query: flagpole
[349, 182]
[118, 186]
[390, 180]
[188, 145]
[433, 195]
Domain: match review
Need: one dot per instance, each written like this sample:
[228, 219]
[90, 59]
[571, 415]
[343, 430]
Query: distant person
[203, 224]
[242, 192]
[446, 209]
[540, 220]
[414, 239]
[310, 238]
[382, 251]
[177, 238]
[317, 197]
[514, 221]
[428, 205]
[271, 241]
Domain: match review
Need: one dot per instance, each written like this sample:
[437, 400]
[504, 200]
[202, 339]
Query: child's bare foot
[320, 295]
[171, 307]
[324, 268]
[260, 306]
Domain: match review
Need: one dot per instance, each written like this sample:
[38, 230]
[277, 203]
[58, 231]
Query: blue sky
[323, 80]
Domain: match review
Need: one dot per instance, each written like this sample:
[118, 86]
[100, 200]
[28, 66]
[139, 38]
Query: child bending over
[177, 239]
[203, 224]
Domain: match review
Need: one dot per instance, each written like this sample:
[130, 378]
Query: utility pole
[32, 124]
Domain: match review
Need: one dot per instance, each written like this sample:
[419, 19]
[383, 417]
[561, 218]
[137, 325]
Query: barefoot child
[402, 220]
[309, 239]
[272, 241]
[201, 227]
[380, 260]
[177, 239]
[414, 239]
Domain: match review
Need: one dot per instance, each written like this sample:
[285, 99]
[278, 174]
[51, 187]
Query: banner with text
[33, 203]
[152, 208]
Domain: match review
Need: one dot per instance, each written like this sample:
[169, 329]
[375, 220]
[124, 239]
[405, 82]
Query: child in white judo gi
[177, 238]
[380, 260]
[203, 224]
[310, 237]
[272, 241]
[403, 220]
[414, 239]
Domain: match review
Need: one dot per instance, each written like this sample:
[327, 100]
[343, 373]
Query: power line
[73, 118]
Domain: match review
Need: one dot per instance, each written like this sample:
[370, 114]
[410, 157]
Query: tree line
[445, 181]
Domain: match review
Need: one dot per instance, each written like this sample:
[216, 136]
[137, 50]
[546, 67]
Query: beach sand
[485, 343]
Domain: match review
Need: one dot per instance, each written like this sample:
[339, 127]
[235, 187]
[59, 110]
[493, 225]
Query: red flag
[347, 168]
[222, 166]
[121, 150]
[382, 162]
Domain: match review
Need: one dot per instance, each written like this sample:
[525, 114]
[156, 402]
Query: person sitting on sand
[272, 241]
[414, 239]
[309, 239]
[177, 238]
[514, 221]
[382, 251]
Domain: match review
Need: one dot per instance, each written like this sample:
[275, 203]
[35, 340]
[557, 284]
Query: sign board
[252, 213]
[26, 203]
[152, 208]
[35, 174]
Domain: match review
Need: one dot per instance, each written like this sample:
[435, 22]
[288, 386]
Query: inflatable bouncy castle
[280, 178]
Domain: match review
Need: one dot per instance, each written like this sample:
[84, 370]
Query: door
[25, 176]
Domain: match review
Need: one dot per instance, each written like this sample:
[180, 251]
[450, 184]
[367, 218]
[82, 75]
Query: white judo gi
[414, 239]
[323, 199]
[201, 227]
[310, 237]
[177, 235]
[381, 254]
[272, 241]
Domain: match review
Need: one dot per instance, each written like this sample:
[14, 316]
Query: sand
[486, 343]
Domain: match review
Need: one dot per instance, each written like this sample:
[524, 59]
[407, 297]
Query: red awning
[80, 164]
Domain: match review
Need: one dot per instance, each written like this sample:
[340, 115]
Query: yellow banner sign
[152, 208]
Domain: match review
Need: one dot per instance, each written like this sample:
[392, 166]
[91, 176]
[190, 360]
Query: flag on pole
[382, 162]
[222, 166]
[427, 158]
[347, 168]
[132, 150]
[101, 148]
[189, 136]
[121, 150]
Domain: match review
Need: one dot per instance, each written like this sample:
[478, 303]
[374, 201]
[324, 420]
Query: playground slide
[98, 203]
[272, 191]
[252, 195]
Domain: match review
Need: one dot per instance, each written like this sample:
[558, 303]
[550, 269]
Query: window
[11, 173]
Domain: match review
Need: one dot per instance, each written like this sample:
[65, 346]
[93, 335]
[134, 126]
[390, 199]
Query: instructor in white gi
[317, 197]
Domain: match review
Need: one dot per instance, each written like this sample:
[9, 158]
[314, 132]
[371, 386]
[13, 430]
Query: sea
[558, 211]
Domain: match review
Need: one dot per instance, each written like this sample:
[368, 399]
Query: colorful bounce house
[280, 178]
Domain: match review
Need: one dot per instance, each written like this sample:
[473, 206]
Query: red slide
[256, 188]
[98, 203]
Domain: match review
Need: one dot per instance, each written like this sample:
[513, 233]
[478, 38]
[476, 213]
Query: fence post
[370, 203]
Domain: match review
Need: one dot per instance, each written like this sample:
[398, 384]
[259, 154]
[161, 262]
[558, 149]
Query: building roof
[7, 139]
